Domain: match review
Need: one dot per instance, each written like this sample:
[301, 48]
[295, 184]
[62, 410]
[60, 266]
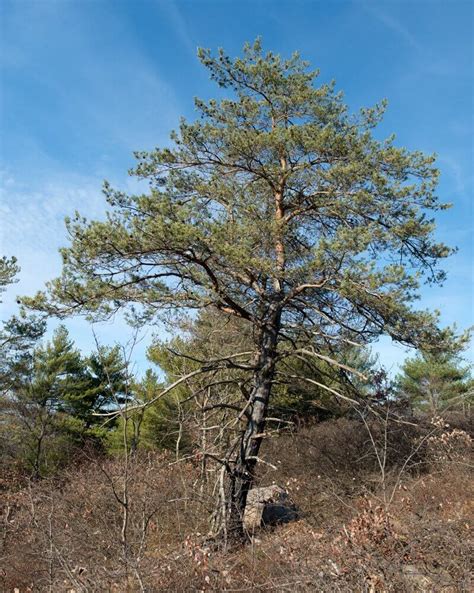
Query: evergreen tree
[436, 381]
[8, 270]
[51, 396]
[35, 424]
[18, 334]
[276, 206]
[104, 386]
[158, 426]
[316, 388]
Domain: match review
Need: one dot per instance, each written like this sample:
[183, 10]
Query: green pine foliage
[17, 334]
[50, 398]
[275, 191]
[435, 382]
[276, 206]
[150, 424]
[8, 270]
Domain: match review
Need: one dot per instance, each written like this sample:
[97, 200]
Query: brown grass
[65, 534]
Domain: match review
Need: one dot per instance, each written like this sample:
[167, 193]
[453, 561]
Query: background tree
[436, 381]
[34, 422]
[104, 386]
[315, 388]
[276, 206]
[148, 427]
[18, 334]
[197, 410]
[50, 402]
[8, 270]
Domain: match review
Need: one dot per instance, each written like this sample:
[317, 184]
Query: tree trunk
[243, 473]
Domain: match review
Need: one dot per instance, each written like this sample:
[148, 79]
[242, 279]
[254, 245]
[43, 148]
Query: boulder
[270, 505]
[420, 582]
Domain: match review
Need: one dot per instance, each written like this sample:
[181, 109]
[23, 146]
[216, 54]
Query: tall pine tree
[278, 206]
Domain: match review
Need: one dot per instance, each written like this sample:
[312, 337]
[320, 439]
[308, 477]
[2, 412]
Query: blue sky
[86, 82]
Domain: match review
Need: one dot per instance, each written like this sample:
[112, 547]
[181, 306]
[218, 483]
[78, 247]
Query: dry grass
[66, 534]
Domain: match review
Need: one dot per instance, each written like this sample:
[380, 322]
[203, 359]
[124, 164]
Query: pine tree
[51, 397]
[276, 206]
[34, 416]
[19, 333]
[8, 270]
[104, 385]
[435, 381]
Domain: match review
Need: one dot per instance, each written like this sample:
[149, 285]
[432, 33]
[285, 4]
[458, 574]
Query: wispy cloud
[32, 229]
[455, 172]
[181, 29]
[118, 99]
[391, 22]
[32, 223]
[99, 96]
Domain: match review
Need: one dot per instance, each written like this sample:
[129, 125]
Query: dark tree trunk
[37, 456]
[243, 473]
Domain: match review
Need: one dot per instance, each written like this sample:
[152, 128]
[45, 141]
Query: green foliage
[32, 404]
[274, 192]
[303, 399]
[156, 426]
[8, 270]
[164, 426]
[18, 334]
[436, 381]
[104, 386]
[50, 399]
[213, 334]
[279, 208]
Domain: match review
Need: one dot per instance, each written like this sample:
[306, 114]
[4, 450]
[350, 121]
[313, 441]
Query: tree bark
[243, 473]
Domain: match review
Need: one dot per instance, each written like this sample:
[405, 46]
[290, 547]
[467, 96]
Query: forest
[266, 447]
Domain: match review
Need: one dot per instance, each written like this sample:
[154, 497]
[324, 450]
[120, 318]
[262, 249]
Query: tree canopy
[50, 397]
[277, 191]
[18, 334]
[8, 270]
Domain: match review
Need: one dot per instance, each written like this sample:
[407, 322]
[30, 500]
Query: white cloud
[456, 174]
[32, 228]
[32, 224]
[387, 19]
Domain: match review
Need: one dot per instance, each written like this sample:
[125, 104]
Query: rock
[420, 582]
[268, 506]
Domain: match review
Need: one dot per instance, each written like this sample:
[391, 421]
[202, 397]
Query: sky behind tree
[84, 83]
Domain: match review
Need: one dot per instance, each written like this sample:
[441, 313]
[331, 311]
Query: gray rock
[268, 506]
[420, 581]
